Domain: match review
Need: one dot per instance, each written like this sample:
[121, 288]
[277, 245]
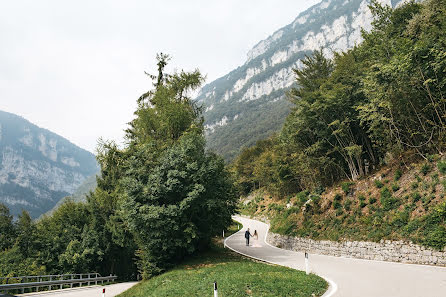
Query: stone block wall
[385, 250]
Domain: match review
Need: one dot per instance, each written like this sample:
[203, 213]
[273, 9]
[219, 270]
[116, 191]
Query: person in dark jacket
[247, 236]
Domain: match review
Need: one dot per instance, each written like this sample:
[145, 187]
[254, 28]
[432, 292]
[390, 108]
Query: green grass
[235, 275]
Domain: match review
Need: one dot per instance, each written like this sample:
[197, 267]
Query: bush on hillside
[441, 165]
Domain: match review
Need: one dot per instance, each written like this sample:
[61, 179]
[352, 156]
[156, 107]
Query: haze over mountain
[249, 104]
[38, 167]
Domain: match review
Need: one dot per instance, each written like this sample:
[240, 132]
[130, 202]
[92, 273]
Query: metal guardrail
[20, 283]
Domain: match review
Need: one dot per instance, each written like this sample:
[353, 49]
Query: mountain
[80, 194]
[249, 103]
[38, 167]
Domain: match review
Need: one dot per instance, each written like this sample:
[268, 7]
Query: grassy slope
[397, 202]
[235, 275]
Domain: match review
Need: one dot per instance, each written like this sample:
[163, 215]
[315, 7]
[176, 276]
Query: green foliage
[441, 165]
[337, 197]
[436, 238]
[7, 234]
[26, 233]
[378, 184]
[339, 211]
[13, 263]
[397, 175]
[395, 187]
[362, 202]
[416, 196]
[176, 195]
[388, 202]
[372, 200]
[425, 169]
[347, 205]
[302, 197]
[337, 201]
[186, 200]
[434, 227]
[346, 187]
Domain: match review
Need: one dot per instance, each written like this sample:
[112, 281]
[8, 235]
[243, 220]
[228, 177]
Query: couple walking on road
[255, 236]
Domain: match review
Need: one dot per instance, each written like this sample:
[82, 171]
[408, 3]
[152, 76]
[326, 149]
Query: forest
[383, 99]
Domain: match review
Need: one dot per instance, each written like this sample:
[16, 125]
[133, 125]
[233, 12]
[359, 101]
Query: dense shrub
[441, 165]
[388, 202]
[378, 184]
[346, 187]
[425, 169]
[347, 205]
[416, 197]
[336, 204]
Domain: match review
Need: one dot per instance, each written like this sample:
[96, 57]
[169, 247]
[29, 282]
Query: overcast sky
[77, 67]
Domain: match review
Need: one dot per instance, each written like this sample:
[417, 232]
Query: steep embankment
[396, 202]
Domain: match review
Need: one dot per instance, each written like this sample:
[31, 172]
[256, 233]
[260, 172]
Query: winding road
[347, 277]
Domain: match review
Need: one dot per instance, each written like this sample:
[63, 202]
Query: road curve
[91, 291]
[348, 277]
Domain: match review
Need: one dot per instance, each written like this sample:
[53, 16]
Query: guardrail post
[215, 290]
[23, 289]
[49, 287]
[307, 270]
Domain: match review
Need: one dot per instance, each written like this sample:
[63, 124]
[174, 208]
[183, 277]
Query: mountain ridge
[238, 104]
[38, 167]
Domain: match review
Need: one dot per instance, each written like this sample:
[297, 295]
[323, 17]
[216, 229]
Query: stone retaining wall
[385, 250]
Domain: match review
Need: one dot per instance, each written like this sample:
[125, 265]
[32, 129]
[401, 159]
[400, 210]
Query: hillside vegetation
[379, 105]
[395, 203]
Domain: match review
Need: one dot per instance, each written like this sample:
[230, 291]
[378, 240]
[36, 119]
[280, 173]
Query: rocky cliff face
[249, 103]
[38, 167]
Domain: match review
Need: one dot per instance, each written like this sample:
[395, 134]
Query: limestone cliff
[38, 167]
[249, 103]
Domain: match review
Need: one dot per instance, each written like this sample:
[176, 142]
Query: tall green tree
[177, 195]
[26, 235]
[7, 234]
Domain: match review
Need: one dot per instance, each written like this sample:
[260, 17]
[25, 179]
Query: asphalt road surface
[92, 291]
[347, 277]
